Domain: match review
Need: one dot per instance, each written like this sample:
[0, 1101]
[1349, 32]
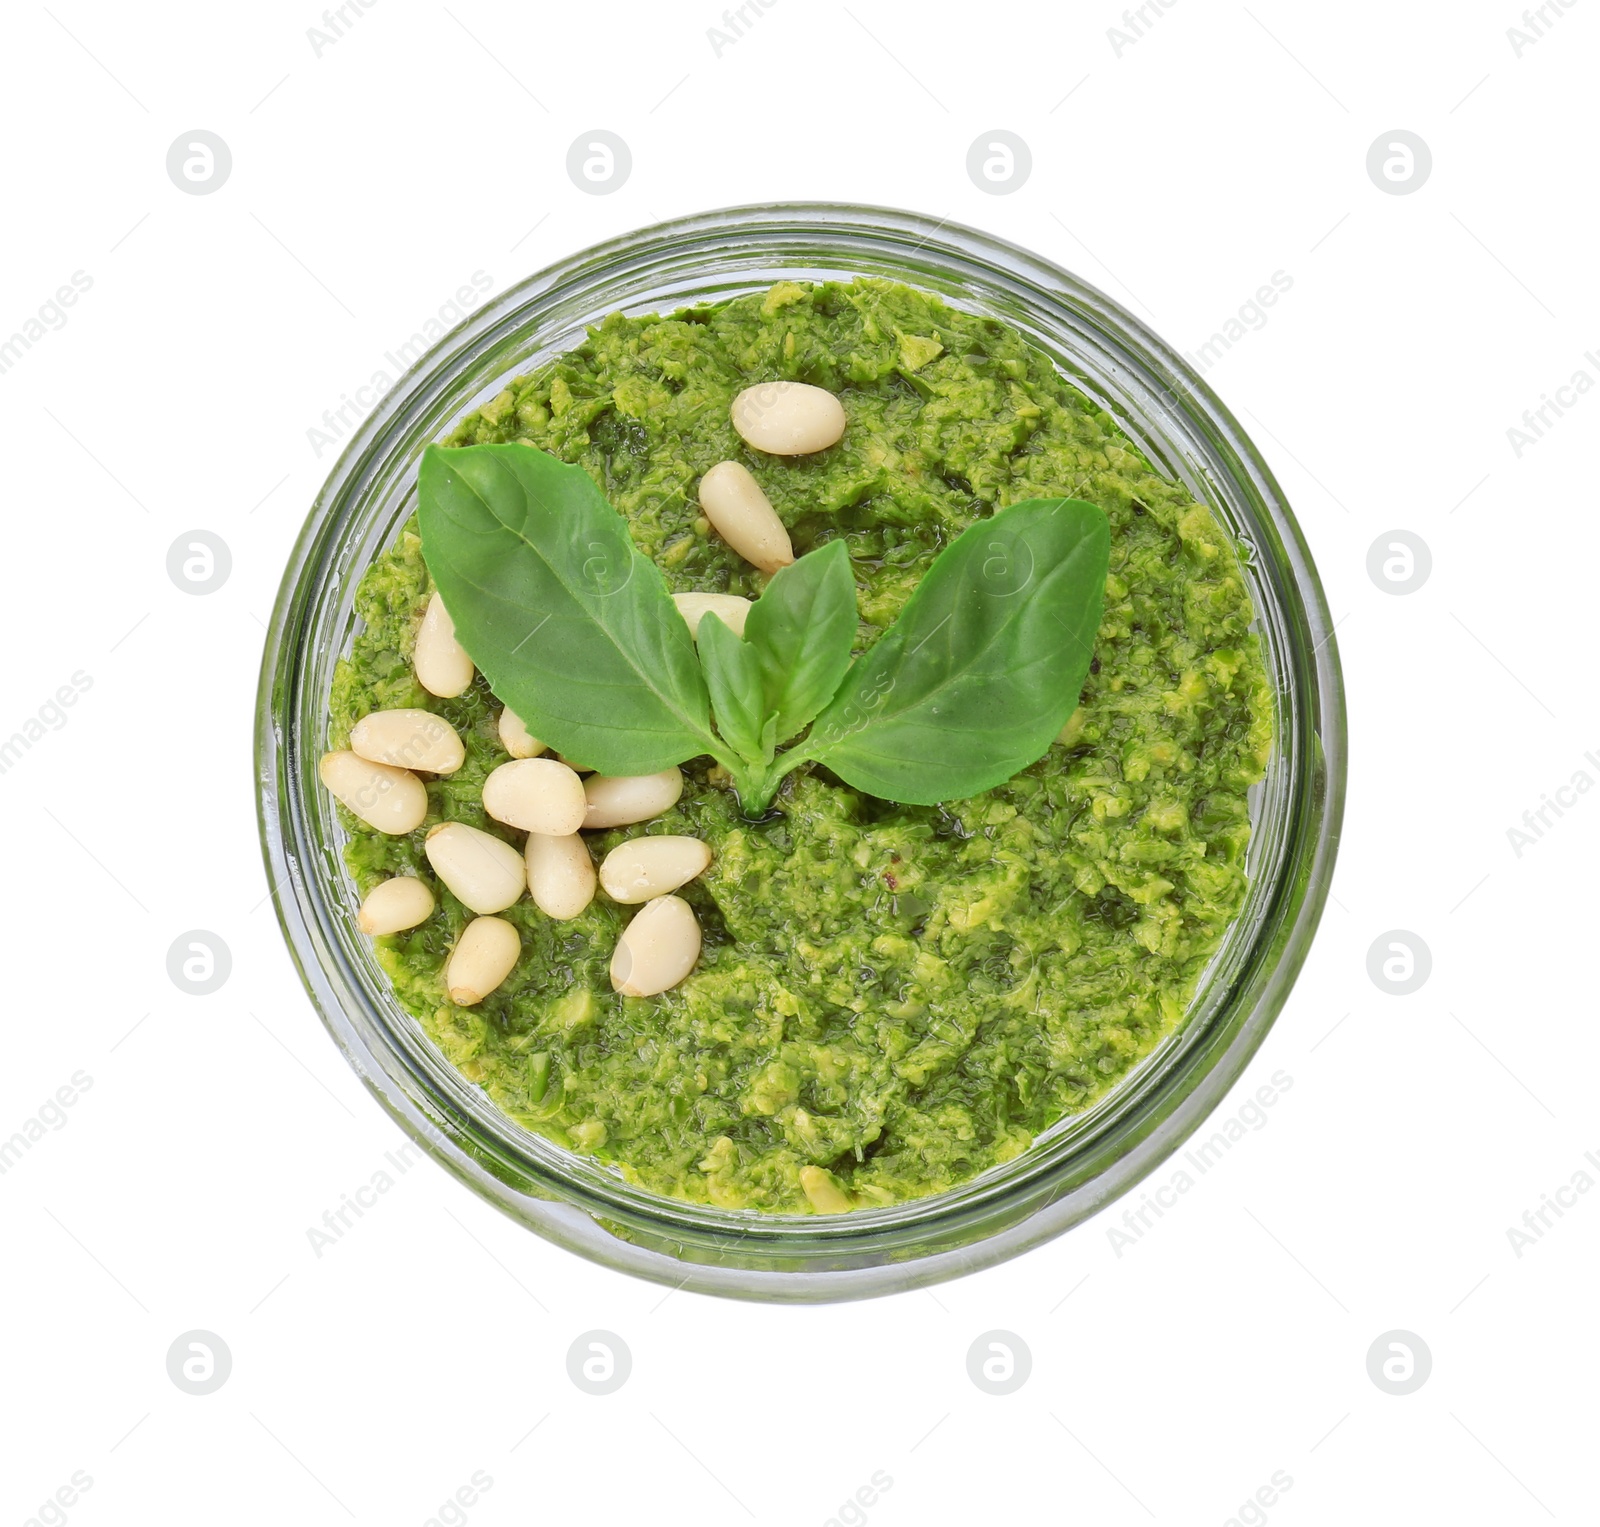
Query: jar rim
[1079, 1165]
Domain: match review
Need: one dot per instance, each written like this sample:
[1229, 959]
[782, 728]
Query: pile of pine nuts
[376, 777]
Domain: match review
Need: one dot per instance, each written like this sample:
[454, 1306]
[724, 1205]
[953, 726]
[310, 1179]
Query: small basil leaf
[983, 666]
[734, 679]
[802, 628]
[571, 626]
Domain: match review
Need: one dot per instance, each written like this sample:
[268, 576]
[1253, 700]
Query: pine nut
[537, 795]
[484, 873]
[561, 875]
[657, 949]
[392, 906]
[824, 1194]
[729, 608]
[619, 800]
[408, 739]
[788, 418]
[642, 868]
[442, 665]
[515, 737]
[734, 503]
[392, 800]
[484, 957]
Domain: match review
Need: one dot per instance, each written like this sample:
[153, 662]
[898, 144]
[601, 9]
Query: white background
[1169, 1382]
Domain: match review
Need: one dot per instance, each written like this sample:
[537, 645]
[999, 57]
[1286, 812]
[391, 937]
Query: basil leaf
[983, 667]
[571, 626]
[802, 628]
[733, 676]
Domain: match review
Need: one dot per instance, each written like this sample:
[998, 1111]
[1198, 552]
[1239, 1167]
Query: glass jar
[1085, 1161]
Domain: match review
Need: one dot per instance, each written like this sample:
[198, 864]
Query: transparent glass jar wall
[1084, 1162]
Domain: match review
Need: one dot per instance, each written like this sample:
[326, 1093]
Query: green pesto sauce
[904, 996]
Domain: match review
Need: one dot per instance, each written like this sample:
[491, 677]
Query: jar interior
[1080, 1162]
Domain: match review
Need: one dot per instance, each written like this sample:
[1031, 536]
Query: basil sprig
[571, 625]
[575, 631]
[979, 673]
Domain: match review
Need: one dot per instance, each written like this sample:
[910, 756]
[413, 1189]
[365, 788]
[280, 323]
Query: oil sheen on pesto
[903, 995]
